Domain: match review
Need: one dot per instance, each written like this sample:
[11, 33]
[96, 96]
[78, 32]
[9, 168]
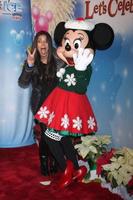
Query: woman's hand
[31, 57]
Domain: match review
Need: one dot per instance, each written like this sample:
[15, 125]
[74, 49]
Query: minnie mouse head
[81, 37]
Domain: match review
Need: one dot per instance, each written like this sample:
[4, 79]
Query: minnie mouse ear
[103, 36]
[59, 33]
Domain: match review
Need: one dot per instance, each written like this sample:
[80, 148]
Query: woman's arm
[28, 67]
[26, 76]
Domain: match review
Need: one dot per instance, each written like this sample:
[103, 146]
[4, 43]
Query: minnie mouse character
[67, 110]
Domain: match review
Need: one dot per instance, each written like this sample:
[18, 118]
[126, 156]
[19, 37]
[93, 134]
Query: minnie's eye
[67, 43]
[77, 44]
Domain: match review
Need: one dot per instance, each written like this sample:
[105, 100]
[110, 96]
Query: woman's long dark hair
[49, 70]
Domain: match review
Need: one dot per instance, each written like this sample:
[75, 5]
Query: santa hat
[80, 23]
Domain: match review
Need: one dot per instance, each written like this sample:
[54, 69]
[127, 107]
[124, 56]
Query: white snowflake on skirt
[65, 121]
[43, 112]
[91, 123]
[51, 116]
[70, 80]
[77, 123]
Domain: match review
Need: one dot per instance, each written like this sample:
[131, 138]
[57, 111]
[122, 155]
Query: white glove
[83, 58]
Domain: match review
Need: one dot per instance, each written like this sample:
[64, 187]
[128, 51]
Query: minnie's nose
[68, 47]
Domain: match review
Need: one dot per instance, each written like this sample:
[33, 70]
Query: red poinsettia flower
[104, 159]
[130, 186]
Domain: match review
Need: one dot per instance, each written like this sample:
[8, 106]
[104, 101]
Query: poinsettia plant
[92, 146]
[116, 166]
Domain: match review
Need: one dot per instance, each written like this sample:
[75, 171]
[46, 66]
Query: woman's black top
[41, 86]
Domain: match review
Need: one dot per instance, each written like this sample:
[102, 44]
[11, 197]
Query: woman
[39, 70]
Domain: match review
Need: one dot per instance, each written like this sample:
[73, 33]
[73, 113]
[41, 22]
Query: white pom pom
[62, 70]
[58, 74]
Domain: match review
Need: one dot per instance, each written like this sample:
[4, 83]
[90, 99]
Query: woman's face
[42, 46]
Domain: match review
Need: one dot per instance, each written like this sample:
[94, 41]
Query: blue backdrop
[15, 36]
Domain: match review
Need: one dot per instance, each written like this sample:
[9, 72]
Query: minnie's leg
[65, 154]
[69, 151]
[57, 151]
[66, 166]
[71, 154]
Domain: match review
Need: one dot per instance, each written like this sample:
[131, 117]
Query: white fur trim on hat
[79, 24]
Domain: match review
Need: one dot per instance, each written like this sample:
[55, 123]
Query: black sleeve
[26, 76]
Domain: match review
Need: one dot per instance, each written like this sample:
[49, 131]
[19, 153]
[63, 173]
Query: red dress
[67, 108]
